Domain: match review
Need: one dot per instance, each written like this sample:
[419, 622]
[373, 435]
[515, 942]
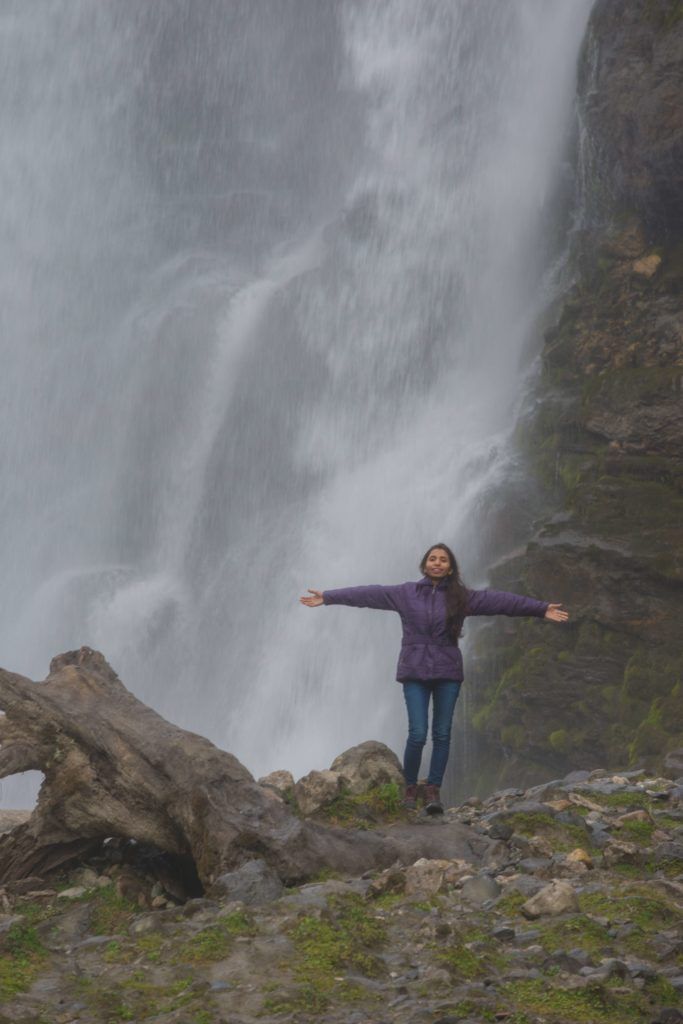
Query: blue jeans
[444, 693]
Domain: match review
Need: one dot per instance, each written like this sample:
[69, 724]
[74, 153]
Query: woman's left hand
[556, 613]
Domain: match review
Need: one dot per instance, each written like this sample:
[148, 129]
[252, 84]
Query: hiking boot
[433, 803]
[410, 798]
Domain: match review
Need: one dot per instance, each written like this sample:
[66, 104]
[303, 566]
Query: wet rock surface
[601, 507]
[437, 938]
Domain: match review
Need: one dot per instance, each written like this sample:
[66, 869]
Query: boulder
[557, 898]
[253, 883]
[316, 790]
[367, 766]
[425, 877]
[282, 782]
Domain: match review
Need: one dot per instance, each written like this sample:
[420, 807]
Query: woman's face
[437, 564]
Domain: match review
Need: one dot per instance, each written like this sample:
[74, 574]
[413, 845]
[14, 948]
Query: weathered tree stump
[113, 767]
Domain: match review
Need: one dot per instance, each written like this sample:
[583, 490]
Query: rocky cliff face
[604, 439]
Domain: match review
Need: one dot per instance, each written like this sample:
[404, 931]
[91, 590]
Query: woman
[430, 663]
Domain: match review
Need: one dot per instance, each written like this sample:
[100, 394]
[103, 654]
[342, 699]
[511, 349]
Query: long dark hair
[456, 591]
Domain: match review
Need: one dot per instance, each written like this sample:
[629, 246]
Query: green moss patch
[467, 958]
[21, 960]
[563, 837]
[148, 947]
[624, 800]
[578, 931]
[346, 940]
[510, 903]
[215, 942]
[596, 1004]
[380, 804]
[643, 906]
[135, 998]
[112, 913]
[639, 832]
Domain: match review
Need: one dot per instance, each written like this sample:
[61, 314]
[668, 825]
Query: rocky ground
[559, 903]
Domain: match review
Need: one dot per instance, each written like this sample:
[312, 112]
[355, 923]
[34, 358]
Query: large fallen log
[113, 767]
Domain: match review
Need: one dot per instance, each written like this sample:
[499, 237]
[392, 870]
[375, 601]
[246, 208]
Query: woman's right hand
[315, 601]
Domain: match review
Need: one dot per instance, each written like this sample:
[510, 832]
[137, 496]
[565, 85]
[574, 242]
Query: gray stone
[367, 766]
[564, 961]
[528, 885]
[638, 969]
[314, 896]
[198, 906]
[571, 818]
[500, 830]
[480, 889]
[556, 898]
[94, 941]
[497, 856]
[255, 882]
[521, 844]
[90, 879]
[580, 955]
[527, 938]
[530, 807]
[148, 923]
[599, 834]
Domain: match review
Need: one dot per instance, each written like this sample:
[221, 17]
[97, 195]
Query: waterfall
[271, 275]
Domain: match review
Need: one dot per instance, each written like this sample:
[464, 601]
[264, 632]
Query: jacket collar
[426, 582]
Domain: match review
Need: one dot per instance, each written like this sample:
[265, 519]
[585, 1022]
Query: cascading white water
[271, 269]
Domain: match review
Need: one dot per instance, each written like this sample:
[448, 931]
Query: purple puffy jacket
[427, 651]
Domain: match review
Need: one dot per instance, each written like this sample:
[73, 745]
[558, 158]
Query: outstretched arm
[500, 602]
[382, 598]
